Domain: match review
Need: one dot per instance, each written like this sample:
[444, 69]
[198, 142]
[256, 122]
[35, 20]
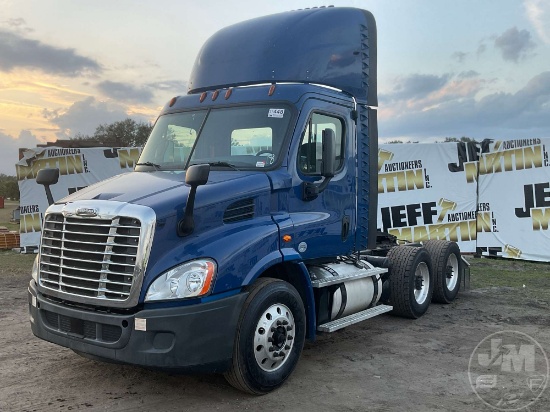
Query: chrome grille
[91, 259]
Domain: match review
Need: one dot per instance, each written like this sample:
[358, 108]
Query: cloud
[141, 94]
[514, 44]
[423, 91]
[481, 49]
[125, 92]
[20, 52]
[538, 12]
[415, 86]
[84, 117]
[523, 114]
[459, 56]
[18, 24]
[177, 86]
[9, 155]
[468, 74]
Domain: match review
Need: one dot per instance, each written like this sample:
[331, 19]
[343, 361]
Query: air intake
[241, 210]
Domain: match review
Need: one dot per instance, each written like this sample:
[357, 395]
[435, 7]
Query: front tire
[446, 263]
[270, 337]
[411, 281]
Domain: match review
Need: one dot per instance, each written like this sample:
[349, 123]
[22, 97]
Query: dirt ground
[382, 364]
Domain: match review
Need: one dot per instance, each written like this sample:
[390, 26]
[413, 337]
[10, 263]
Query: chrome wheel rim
[421, 283]
[451, 275]
[274, 337]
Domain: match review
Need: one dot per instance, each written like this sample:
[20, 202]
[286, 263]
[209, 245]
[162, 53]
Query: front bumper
[194, 338]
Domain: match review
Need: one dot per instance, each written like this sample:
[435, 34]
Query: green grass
[15, 264]
[531, 278]
[6, 214]
[506, 272]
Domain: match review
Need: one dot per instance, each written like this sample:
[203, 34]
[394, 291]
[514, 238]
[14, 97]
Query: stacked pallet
[8, 240]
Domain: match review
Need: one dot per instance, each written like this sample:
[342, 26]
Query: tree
[9, 187]
[123, 133]
[463, 139]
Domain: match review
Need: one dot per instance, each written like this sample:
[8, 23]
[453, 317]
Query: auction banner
[423, 194]
[492, 198]
[78, 168]
[514, 178]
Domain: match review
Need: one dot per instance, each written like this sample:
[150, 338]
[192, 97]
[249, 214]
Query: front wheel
[270, 337]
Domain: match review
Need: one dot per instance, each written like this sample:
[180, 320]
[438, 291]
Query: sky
[446, 68]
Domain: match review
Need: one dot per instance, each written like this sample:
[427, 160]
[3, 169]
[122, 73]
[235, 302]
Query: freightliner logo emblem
[86, 211]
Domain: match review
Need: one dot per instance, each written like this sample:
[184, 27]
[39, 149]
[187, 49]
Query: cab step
[360, 273]
[353, 318]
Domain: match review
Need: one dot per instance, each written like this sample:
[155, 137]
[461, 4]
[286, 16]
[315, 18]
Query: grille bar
[90, 243]
[65, 231]
[64, 257]
[92, 280]
[108, 272]
[66, 249]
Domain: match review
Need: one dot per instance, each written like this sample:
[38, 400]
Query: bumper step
[353, 318]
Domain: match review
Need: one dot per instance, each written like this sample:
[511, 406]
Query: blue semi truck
[249, 223]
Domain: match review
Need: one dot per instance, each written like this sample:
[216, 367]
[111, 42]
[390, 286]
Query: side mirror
[196, 175]
[328, 165]
[329, 149]
[48, 177]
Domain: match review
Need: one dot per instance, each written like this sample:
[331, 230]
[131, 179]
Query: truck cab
[249, 222]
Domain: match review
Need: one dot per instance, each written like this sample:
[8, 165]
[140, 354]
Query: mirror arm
[311, 190]
[186, 226]
[195, 176]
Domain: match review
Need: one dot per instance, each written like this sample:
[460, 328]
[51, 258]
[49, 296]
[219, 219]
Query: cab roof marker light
[215, 95]
[271, 90]
[228, 93]
[203, 96]
[172, 101]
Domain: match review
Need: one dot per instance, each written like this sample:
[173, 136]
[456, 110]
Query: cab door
[324, 224]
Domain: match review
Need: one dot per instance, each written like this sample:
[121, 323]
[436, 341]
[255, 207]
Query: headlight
[189, 280]
[34, 272]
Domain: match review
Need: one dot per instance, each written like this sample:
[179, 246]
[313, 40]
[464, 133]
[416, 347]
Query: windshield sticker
[260, 164]
[279, 113]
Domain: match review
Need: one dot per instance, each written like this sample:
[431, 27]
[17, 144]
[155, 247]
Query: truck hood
[167, 192]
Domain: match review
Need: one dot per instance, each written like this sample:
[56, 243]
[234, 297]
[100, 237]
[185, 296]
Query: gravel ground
[383, 364]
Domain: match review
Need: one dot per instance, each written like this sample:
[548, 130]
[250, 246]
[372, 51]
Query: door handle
[345, 228]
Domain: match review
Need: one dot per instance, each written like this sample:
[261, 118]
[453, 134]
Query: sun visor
[330, 46]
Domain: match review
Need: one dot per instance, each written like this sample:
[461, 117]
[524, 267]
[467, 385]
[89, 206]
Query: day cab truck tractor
[249, 223]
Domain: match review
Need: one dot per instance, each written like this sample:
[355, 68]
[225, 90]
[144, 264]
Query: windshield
[236, 138]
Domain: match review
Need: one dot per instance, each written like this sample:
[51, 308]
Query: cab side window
[311, 146]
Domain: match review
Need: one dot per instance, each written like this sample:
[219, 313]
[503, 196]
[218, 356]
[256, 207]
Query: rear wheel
[446, 263]
[270, 337]
[411, 281]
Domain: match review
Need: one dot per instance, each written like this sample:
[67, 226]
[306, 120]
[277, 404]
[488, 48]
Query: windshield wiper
[151, 164]
[222, 164]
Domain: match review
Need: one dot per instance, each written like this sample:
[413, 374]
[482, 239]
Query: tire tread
[438, 250]
[235, 376]
[402, 260]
